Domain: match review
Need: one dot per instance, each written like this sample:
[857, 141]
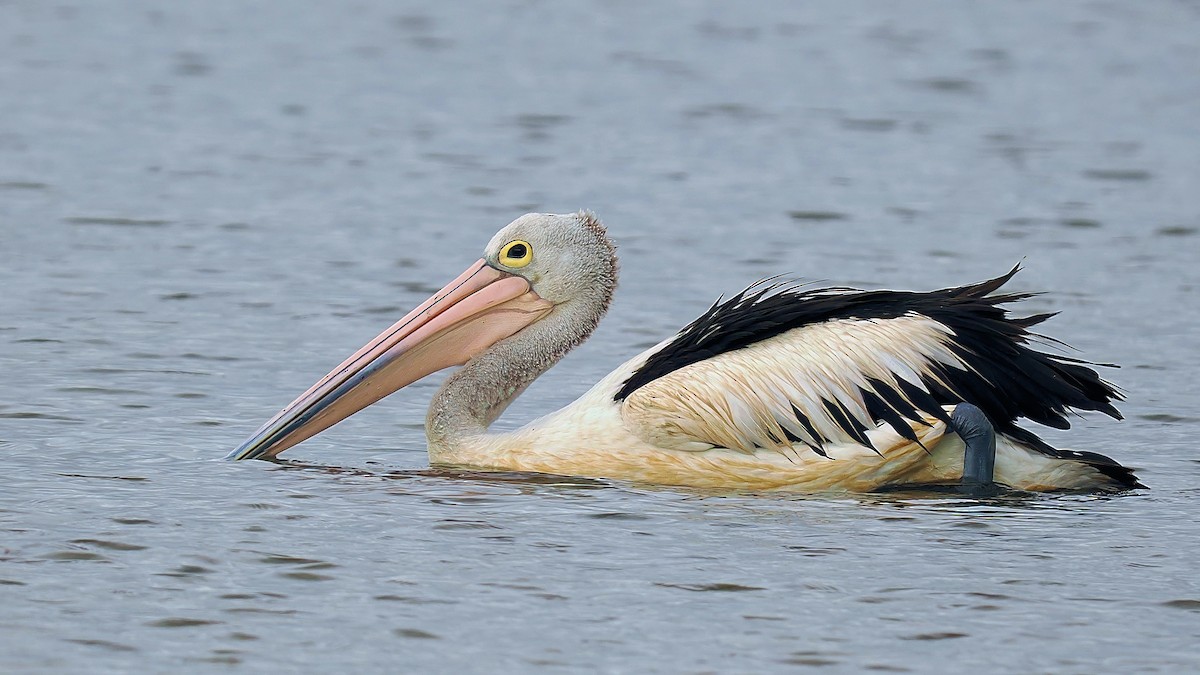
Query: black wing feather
[1006, 377]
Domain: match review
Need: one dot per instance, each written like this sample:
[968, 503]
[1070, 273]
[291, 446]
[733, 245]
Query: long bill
[478, 309]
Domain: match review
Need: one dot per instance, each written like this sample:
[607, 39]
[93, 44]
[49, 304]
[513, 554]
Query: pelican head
[563, 257]
[537, 267]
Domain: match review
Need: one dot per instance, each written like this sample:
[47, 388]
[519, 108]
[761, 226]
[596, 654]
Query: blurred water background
[204, 206]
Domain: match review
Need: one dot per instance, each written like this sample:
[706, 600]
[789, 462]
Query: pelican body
[779, 387]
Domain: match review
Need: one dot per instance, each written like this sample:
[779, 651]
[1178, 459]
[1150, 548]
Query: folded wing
[777, 367]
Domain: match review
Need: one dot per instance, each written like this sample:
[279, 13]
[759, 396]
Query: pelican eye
[516, 254]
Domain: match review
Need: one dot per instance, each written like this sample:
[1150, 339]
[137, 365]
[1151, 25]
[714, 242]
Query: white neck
[474, 396]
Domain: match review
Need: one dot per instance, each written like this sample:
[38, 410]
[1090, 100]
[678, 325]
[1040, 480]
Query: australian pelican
[779, 387]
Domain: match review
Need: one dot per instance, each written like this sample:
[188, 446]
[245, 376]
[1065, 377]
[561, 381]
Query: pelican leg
[979, 458]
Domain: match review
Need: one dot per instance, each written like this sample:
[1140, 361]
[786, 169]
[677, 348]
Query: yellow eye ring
[516, 253]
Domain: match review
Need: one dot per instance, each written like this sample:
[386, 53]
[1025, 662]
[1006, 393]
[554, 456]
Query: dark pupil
[517, 251]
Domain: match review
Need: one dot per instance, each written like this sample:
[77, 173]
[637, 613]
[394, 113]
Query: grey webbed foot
[979, 458]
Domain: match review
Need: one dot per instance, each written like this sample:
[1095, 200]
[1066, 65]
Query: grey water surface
[205, 206]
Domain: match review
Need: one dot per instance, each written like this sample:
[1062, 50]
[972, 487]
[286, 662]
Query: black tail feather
[1122, 475]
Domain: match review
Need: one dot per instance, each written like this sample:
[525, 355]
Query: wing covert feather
[831, 373]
